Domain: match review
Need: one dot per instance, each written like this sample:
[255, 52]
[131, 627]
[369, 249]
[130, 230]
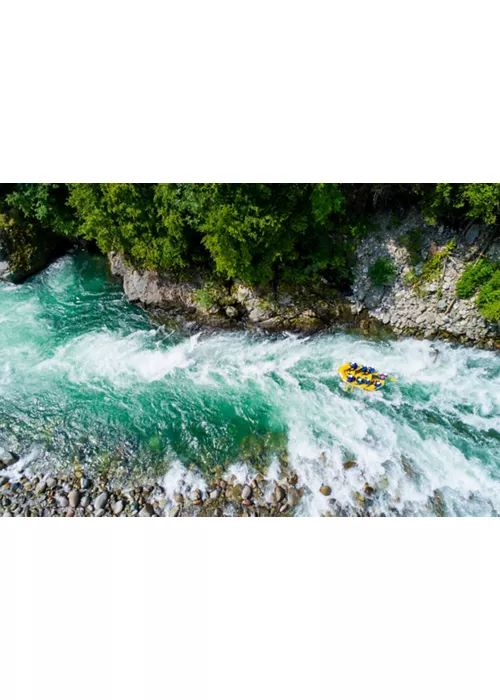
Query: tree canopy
[259, 233]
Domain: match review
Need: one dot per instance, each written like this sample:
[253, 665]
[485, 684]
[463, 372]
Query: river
[87, 378]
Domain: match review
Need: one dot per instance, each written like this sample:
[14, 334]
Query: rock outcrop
[240, 306]
[413, 304]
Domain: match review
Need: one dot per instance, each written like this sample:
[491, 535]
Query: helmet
[368, 382]
[377, 384]
[353, 365]
[371, 370]
[360, 381]
[350, 378]
[363, 368]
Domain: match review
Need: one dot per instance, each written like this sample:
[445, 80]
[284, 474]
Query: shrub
[432, 267]
[381, 271]
[473, 277]
[488, 300]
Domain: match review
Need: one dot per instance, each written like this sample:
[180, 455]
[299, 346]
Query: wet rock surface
[62, 495]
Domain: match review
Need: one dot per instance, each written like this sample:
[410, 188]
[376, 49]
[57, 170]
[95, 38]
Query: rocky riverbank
[419, 300]
[237, 307]
[75, 494]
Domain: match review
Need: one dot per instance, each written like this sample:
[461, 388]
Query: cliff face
[414, 302]
[420, 299]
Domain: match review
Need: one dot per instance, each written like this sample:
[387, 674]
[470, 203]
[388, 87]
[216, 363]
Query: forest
[258, 233]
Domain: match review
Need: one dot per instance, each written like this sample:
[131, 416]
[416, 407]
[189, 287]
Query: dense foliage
[488, 300]
[259, 233]
[252, 232]
[483, 277]
[381, 271]
[473, 277]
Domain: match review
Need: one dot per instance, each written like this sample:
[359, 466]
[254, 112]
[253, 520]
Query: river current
[88, 379]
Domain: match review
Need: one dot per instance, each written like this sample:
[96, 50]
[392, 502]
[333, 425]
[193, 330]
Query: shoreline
[78, 495]
[278, 493]
[408, 306]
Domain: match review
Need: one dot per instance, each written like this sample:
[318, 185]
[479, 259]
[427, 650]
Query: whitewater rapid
[86, 378]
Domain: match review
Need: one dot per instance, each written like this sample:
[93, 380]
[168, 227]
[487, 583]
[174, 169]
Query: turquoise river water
[87, 378]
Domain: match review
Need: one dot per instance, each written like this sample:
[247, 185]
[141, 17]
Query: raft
[345, 370]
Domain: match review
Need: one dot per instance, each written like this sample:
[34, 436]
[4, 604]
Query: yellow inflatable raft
[362, 377]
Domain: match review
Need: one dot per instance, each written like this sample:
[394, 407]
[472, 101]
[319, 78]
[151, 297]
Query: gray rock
[85, 483]
[231, 312]
[63, 502]
[214, 494]
[40, 487]
[257, 315]
[84, 502]
[472, 234]
[7, 514]
[99, 512]
[174, 512]
[147, 511]
[246, 492]
[374, 298]
[101, 500]
[7, 458]
[118, 507]
[3, 480]
[151, 288]
[51, 482]
[74, 498]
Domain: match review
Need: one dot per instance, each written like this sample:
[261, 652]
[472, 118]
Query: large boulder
[151, 288]
[7, 458]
